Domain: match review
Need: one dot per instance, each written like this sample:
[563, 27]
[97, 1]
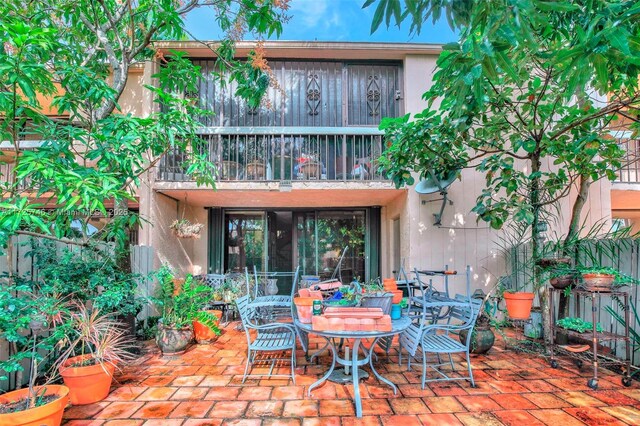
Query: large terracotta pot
[87, 384]
[46, 415]
[519, 305]
[173, 341]
[204, 334]
[482, 339]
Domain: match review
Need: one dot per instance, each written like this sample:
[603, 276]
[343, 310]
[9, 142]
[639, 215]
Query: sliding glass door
[323, 235]
[280, 240]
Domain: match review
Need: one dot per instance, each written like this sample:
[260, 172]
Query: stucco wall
[183, 255]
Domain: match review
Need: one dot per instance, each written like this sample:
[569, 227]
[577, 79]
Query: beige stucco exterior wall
[183, 255]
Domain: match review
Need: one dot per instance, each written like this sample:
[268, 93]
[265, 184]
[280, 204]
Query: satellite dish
[432, 184]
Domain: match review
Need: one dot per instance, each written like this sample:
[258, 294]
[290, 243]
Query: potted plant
[603, 278]
[38, 313]
[178, 310]
[205, 334]
[183, 228]
[563, 276]
[375, 296]
[482, 336]
[95, 345]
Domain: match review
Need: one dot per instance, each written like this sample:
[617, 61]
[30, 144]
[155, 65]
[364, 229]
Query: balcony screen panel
[372, 93]
[309, 94]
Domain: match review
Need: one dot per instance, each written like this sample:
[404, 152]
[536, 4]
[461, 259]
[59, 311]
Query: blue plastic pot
[396, 312]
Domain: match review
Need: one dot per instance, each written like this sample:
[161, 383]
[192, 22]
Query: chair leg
[451, 363]
[246, 368]
[400, 353]
[424, 368]
[293, 365]
[473, 383]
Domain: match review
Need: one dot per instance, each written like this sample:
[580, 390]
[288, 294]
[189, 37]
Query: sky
[331, 20]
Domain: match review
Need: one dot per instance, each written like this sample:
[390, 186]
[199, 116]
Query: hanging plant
[183, 228]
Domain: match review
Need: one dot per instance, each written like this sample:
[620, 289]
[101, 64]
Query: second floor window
[319, 94]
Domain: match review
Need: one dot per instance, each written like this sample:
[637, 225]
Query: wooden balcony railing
[269, 154]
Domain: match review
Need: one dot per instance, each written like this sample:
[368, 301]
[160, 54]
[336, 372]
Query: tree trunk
[572, 233]
[538, 286]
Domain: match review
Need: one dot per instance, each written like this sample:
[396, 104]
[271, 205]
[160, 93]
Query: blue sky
[330, 20]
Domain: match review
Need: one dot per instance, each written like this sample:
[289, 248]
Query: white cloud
[320, 14]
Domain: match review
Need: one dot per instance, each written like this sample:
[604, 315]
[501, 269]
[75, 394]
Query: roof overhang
[276, 195]
[309, 49]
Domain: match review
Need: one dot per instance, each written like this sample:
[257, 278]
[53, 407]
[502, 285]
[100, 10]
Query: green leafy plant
[181, 304]
[578, 324]
[30, 318]
[88, 275]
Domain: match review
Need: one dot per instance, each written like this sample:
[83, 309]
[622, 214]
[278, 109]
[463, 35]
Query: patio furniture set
[275, 324]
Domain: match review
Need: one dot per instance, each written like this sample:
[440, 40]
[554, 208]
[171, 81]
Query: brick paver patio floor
[203, 387]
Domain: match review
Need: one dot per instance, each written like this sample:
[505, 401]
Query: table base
[340, 377]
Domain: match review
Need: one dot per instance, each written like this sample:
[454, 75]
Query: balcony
[630, 171]
[284, 154]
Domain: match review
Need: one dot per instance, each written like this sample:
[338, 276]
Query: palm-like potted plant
[96, 344]
[29, 321]
[179, 307]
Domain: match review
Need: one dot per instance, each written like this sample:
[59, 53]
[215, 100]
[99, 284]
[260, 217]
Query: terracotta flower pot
[173, 341]
[563, 281]
[87, 384]
[397, 296]
[204, 334]
[304, 307]
[597, 282]
[519, 305]
[49, 414]
[390, 284]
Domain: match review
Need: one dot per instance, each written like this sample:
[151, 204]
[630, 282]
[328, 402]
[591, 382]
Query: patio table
[398, 326]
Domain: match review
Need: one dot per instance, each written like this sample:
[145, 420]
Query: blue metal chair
[272, 338]
[441, 337]
[276, 305]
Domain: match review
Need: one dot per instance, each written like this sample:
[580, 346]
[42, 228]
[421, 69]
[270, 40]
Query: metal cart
[594, 337]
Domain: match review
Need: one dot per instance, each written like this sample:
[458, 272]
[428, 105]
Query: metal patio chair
[271, 339]
[273, 306]
[442, 338]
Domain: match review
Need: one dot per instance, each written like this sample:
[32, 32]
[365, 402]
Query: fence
[621, 254]
[141, 263]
